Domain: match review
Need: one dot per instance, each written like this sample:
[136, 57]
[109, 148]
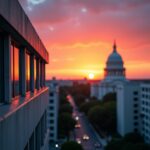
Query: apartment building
[145, 111]
[133, 109]
[52, 110]
[23, 94]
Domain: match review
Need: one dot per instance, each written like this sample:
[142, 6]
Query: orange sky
[79, 35]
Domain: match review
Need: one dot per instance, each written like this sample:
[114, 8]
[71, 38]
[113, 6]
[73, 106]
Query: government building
[113, 73]
[133, 97]
[23, 94]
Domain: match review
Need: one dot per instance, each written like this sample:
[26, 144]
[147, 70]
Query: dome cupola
[114, 65]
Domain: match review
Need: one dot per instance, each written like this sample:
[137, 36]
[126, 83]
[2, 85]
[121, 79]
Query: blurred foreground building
[23, 94]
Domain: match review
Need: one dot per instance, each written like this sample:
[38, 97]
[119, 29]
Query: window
[135, 105]
[51, 107]
[1, 68]
[51, 114]
[35, 72]
[135, 99]
[51, 135]
[51, 94]
[135, 93]
[51, 128]
[51, 101]
[51, 121]
[15, 70]
[27, 72]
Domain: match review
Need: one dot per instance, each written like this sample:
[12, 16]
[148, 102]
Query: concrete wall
[12, 12]
[17, 125]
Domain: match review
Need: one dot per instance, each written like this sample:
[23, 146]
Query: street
[85, 129]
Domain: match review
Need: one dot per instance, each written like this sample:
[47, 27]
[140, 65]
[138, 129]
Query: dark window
[135, 123]
[51, 107]
[51, 94]
[1, 67]
[15, 70]
[51, 101]
[27, 72]
[135, 105]
[51, 134]
[51, 114]
[51, 121]
[135, 117]
[135, 99]
[135, 130]
[135, 111]
[35, 72]
[51, 128]
[135, 93]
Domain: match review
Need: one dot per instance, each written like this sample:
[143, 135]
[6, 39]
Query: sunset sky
[79, 35]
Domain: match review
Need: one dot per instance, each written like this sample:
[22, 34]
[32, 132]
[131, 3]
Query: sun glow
[91, 76]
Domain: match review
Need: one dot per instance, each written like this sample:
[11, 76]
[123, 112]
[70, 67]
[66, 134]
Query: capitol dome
[114, 65]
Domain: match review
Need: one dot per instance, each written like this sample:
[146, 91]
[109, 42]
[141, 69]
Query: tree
[66, 108]
[104, 116]
[86, 106]
[71, 145]
[131, 141]
[66, 124]
[109, 97]
[133, 138]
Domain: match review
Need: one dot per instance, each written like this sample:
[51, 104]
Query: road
[85, 128]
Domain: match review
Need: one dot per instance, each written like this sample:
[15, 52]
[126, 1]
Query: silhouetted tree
[65, 124]
[71, 145]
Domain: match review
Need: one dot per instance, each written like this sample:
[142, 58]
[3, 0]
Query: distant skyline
[79, 35]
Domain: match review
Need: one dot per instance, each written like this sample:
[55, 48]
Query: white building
[52, 111]
[128, 107]
[23, 94]
[145, 111]
[113, 73]
[133, 109]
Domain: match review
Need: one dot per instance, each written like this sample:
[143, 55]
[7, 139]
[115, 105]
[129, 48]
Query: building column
[22, 70]
[7, 69]
[41, 73]
[38, 73]
[32, 73]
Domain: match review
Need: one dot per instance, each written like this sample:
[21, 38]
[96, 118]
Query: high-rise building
[23, 94]
[145, 111]
[133, 109]
[52, 110]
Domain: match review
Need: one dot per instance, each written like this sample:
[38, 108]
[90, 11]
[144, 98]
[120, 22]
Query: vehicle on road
[77, 126]
[78, 140]
[76, 118]
[85, 137]
[97, 145]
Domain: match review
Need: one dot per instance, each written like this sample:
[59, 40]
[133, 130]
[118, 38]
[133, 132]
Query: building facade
[52, 110]
[133, 109]
[128, 107]
[23, 94]
[145, 111]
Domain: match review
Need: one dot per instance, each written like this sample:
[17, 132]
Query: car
[97, 145]
[78, 140]
[78, 126]
[76, 118]
[85, 137]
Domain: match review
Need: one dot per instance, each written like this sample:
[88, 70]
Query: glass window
[27, 72]
[1, 67]
[35, 72]
[15, 70]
